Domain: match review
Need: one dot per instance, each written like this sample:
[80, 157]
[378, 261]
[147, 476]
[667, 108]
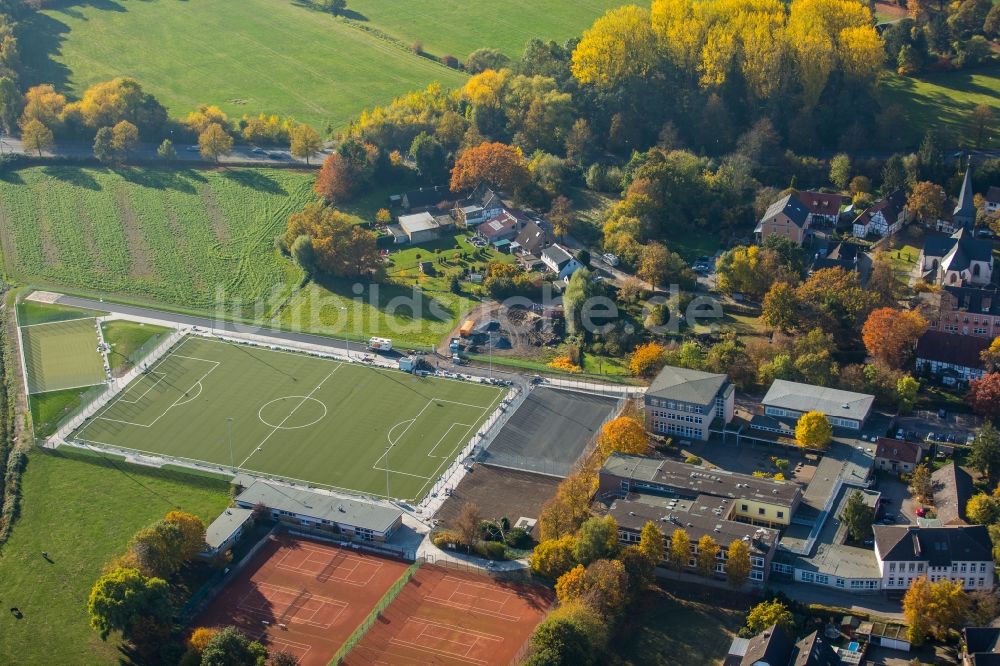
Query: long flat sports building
[322, 421]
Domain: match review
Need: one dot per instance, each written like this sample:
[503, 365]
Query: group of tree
[323, 240]
[208, 646]
[134, 597]
[934, 609]
[941, 36]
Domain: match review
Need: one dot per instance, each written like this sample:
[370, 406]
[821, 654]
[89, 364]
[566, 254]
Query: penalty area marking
[160, 376]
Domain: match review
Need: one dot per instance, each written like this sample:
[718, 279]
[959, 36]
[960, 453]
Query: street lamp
[388, 446]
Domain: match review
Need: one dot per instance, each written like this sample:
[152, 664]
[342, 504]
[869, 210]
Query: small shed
[885, 634]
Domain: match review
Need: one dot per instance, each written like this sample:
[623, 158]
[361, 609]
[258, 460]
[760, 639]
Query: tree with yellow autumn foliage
[624, 434]
[646, 360]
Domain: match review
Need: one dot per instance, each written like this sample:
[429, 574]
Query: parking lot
[953, 428]
[896, 500]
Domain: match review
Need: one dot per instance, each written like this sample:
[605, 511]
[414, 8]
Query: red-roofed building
[896, 455]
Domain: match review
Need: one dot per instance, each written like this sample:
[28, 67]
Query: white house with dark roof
[685, 402]
[844, 409]
[951, 358]
[883, 218]
[958, 553]
[560, 261]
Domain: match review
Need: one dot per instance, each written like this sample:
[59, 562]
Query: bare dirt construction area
[449, 617]
[499, 492]
[303, 597]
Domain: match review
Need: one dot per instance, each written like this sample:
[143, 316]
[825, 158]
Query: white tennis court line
[270, 607]
[290, 414]
[427, 628]
[471, 606]
[327, 562]
[298, 650]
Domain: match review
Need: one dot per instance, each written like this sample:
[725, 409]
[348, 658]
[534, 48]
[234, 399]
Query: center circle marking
[304, 407]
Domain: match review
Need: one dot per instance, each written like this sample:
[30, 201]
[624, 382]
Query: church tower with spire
[965, 210]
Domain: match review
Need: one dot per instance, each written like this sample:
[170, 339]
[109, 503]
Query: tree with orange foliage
[200, 637]
[890, 335]
[984, 395]
[496, 164]
[646, 360]
[339, 247]
[347, 171]
[623, 435]
[571, 585]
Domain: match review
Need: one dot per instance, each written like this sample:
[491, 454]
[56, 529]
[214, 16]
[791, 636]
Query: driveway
[896, 499]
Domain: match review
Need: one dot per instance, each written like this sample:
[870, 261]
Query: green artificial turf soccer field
[296, 416]
[62, 355]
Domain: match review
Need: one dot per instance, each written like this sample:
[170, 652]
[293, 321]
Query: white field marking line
[468, 427]
[291, 413]
[388, 435]
[467, 646]
[56, 323]
[265, 347]
[396, 471]
[476, 635]
[114, 401]
[450, 601]
[444, 461]
[197, 395]
[159, 378]
[172, 405]
[68, 388]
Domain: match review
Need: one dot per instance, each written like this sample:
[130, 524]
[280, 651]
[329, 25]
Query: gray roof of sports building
[368, 515]
[227, 523]
[697, 480]
[806, 397]
[685, 385]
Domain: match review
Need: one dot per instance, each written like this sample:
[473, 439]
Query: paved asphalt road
[242, 154]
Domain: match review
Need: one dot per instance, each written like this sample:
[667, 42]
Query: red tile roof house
[895, 455]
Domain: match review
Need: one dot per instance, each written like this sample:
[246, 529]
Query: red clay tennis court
[303, 596]
[452, 617]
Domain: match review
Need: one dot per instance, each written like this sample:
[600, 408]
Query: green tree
[780, 308]
[124, 137]
[302, 253]
[335, 7]
[166, 151]
[858, 516]
[906, 393]
[984, 456]
[768, 613]
[103, 149]
[159, 549]
[597, 539]
[654, 263]
[10, 104]
[230, 647]
[430, 156]
[840, 171]
[123, 596]
[570, 635]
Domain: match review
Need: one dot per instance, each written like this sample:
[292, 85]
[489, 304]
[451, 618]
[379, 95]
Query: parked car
[611, 259]
[900, 434]
[920, 511]
[192, 149]
[256, 150]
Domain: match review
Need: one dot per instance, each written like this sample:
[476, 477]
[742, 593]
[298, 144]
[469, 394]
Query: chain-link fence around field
[549, 435]
[99, 396]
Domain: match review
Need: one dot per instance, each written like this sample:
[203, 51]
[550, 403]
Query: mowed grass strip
[130, 337]
[62, 355]
[247, 56]
[175, 237]
[296, 416]
[82, 511]
[944, 99]
[453, 27]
